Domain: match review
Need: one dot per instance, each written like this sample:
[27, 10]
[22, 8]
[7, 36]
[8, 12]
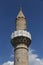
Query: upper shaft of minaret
[20, 21]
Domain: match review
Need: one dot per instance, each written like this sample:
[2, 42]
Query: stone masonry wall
[21, 55]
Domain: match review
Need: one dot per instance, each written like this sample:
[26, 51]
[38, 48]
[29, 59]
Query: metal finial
[21, 8]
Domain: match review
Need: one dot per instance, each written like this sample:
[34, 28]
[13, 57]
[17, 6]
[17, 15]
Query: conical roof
[20, 14]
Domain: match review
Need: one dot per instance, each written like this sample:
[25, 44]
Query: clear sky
[33, 10]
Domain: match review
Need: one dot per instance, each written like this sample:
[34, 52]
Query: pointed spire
[20, 14]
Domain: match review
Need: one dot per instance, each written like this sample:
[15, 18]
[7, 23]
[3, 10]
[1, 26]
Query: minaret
[20, 39]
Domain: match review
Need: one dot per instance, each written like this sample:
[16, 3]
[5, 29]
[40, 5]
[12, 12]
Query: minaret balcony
[20, 36]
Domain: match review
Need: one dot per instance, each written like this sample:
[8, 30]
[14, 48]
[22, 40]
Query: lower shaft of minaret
[21, 55]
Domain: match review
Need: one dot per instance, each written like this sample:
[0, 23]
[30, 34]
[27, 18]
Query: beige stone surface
[21, 24]
[21, 55]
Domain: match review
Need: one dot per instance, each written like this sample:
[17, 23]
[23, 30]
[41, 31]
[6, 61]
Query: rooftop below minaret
[20, 14]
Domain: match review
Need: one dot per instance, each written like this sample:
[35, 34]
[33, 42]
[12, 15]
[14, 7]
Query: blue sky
[33, 10]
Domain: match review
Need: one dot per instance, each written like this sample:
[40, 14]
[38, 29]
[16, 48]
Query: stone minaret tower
[20, 40]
